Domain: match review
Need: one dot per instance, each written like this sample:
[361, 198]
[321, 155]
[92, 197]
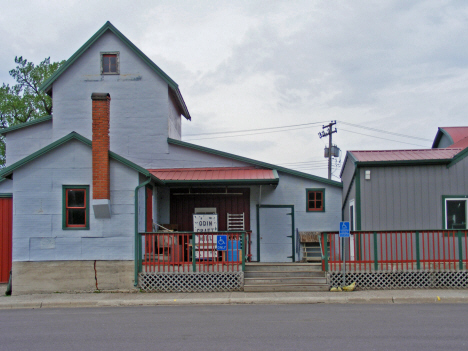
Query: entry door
[276, 244]
[6, 217]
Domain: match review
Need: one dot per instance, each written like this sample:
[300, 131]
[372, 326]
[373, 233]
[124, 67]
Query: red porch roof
[243, 175]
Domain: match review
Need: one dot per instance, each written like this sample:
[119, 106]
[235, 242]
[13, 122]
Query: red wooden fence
[402, 250]
[175, 252]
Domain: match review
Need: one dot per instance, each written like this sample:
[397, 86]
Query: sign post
[344, 233]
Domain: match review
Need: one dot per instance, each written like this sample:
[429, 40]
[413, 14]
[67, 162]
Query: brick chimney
[101, 144]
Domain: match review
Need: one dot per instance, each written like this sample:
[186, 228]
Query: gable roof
[73, 135]
[218, 175]
[253, 162]
[47, 85]
[454, 134]
[25, 124]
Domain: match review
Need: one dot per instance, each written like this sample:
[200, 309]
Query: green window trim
[315, 190]
[444, 208]
[65, 188]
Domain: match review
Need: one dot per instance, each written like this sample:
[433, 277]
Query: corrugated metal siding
[351, 196]
[399, 198]
[6, 213]
[347, 176]
[183, 206]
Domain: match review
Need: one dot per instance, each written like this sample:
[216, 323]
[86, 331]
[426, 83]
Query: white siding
[37, 213]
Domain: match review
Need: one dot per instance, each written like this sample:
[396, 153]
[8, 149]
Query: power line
[251, 130]
[239, 135]
[373, 136]
[384, 131]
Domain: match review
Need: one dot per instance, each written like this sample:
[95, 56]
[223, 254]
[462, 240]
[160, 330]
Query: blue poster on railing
[221, 243]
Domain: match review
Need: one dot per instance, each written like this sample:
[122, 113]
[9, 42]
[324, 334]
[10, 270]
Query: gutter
[137, 239]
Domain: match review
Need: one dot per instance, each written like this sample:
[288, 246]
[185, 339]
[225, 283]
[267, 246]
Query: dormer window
[110, 63]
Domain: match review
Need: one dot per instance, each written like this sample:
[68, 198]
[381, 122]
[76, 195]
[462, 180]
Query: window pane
[105, 64]
[76, 198]
[456, 214]
[77, 217]
[113, 64]
[318, 204]
[311, 204]
[318, 195]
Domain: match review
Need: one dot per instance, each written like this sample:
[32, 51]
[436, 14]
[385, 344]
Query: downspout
[137, 241]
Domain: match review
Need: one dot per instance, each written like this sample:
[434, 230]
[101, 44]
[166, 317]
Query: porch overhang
[217, 176]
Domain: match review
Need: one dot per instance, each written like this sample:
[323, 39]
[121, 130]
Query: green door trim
[291, 207]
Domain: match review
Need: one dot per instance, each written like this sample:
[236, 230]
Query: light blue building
[74, 227]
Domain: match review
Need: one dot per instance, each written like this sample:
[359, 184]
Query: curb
[231, 301]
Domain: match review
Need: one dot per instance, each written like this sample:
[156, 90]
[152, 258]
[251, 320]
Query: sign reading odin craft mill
[205, 223]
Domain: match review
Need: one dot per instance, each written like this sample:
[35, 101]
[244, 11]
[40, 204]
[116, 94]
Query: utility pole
[329, 132]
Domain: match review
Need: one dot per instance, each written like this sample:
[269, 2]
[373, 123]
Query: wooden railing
[194, 252]
[401, 250]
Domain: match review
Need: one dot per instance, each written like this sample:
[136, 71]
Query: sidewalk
[231, 298]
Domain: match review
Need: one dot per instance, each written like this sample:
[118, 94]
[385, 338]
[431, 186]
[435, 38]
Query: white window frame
[446, 214]
[117, 53]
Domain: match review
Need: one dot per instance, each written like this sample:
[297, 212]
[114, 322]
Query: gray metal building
[408, 189]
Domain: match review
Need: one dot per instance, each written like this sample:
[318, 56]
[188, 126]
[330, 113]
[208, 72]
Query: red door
[6, 217]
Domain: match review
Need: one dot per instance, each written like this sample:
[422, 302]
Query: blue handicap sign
[344, 229]
[221, 243]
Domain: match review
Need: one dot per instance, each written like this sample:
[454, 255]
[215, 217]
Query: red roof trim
[405, 155]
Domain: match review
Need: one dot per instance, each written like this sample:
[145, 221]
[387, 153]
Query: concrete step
[284, 281]
[289, 287]
[277, 267]
[287, 274]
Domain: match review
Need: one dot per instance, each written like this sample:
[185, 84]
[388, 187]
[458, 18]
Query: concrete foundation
[72, 276]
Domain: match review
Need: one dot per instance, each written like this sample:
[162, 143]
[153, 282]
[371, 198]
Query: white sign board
[205, 244]
[205, 223]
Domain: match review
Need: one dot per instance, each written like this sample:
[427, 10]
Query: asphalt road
[239, 327]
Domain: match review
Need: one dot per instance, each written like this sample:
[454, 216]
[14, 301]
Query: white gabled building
[84, 183]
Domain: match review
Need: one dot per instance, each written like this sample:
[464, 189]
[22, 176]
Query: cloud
[399, 66]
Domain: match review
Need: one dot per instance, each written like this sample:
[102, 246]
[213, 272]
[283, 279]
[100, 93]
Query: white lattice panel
[191, 282]
[402, 280]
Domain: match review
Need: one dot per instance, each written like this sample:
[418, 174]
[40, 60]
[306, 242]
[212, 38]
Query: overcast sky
[394, 66]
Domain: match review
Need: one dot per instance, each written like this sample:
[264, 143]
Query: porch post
[137, 239]
[325, 249]
[194, 264]
[243, 251]
[460, 250]
[418, 260]
[376, 253]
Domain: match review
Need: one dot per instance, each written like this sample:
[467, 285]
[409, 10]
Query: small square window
[315, 200]
[75, 207]
[110, 63]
